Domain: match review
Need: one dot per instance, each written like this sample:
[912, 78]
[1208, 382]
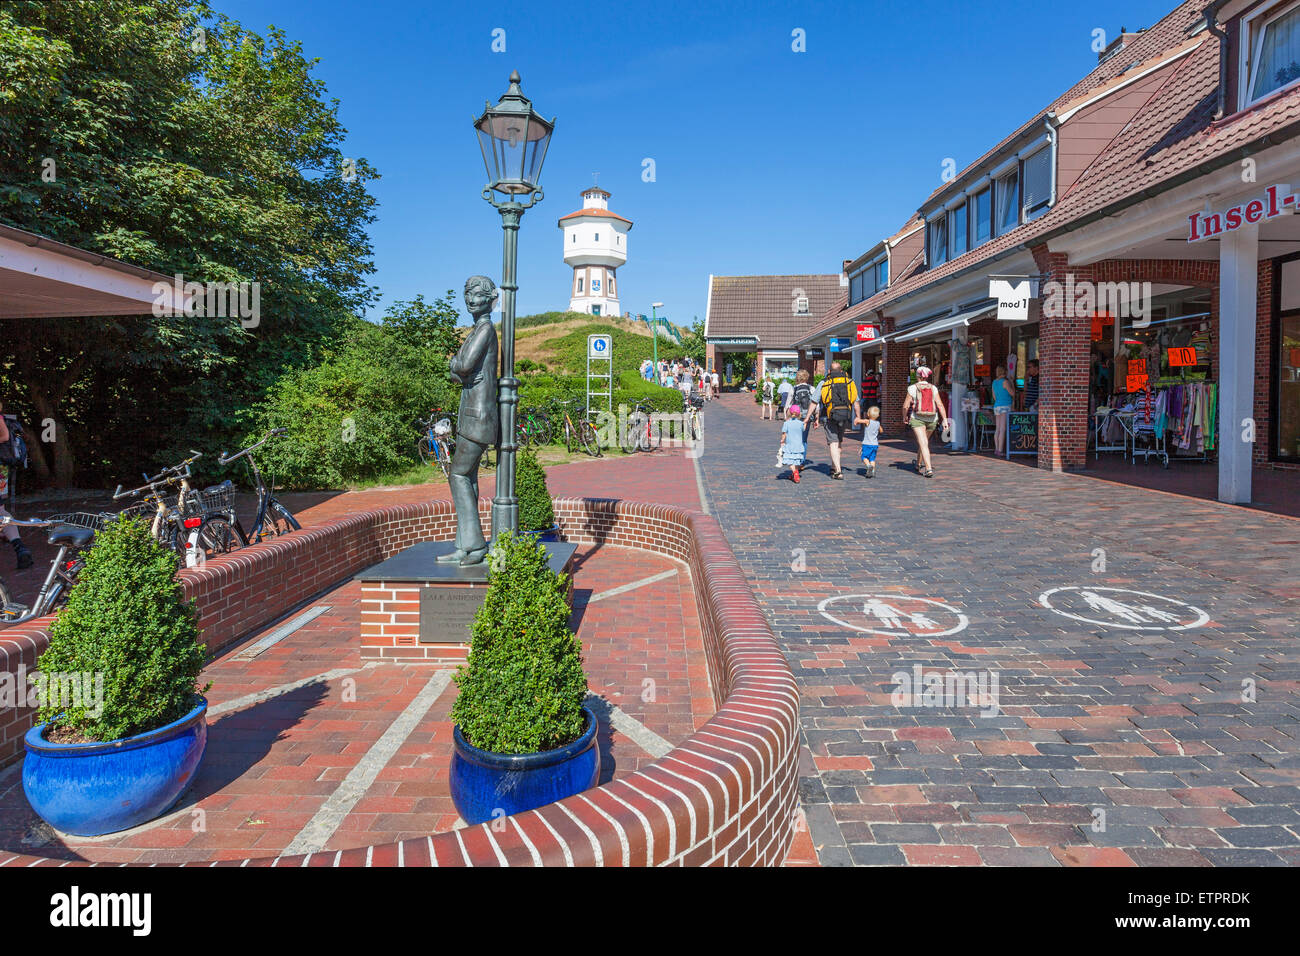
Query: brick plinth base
[725, 797]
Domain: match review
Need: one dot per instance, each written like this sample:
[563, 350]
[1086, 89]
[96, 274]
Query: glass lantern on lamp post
[513, 139]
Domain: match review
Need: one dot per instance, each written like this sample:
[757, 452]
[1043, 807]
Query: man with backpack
[837, 409]
[13, 452]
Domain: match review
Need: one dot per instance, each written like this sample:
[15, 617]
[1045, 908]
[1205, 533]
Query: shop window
[1007, 198]
[957, 231]
[1173, 347]
[981, 223]
[1272, 51]
[937, 246]
[1036, 177]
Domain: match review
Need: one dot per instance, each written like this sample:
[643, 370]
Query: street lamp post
[654, 331]
[513, 139]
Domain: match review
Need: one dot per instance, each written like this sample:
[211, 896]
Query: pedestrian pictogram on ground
[893, 615]
[1123, 608]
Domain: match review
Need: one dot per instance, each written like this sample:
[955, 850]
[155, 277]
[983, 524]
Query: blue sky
[766, 160]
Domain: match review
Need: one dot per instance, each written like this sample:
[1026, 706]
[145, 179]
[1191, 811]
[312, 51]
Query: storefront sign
[1013, 294]
[738, 340]
[1135, 381]
[1276, 201]
[868, 333]
[1022, 433]
[983, 371]
[840, 343]
[1181, 357]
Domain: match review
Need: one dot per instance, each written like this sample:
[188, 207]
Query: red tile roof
[763, 306]
[599, 213]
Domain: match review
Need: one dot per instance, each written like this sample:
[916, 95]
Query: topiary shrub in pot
[536, 512]
[122, 724]
[523, 737]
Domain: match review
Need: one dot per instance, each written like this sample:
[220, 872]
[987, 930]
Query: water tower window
[598, 237]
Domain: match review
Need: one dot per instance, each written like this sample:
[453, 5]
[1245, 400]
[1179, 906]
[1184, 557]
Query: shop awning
[945, 324]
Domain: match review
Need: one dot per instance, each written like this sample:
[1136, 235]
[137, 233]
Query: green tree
[184, 143]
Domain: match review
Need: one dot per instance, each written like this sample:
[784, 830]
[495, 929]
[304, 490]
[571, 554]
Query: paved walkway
[1172, 740]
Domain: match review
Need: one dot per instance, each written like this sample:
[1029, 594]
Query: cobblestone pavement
[1129, 728]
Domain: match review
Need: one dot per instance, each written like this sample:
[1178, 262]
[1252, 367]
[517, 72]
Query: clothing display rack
[1174, 416]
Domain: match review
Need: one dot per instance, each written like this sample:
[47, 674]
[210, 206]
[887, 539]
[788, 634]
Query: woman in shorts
[920, 396]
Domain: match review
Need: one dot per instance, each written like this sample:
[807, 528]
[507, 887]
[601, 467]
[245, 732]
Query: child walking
[792, 448]
[870, 438]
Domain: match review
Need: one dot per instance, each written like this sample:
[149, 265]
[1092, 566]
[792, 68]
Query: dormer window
[937, 240]
[1270, 51]
[1036, 171]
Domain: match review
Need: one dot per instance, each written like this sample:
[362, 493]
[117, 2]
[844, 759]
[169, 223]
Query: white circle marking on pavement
[876, 608]
[1113, 613]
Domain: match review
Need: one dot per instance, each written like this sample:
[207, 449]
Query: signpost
[600, 365]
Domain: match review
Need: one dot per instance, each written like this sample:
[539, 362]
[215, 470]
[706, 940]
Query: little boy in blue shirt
[870, 438]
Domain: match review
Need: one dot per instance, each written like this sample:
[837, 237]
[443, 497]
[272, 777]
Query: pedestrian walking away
[923, 410]
[870, 438]
[1004, 397]
[769, 392]
[837, 409]
[21, 553]
[805, 397]
[793, 450]
[784, 391]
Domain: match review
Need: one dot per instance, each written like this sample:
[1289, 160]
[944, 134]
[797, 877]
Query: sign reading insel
[1276, 201]
[868, 333]
[599, 346]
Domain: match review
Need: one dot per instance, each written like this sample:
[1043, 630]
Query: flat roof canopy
[41, 278]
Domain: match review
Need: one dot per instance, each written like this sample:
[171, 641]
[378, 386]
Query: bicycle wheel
[569, 437]
[634, 440]
[425, 448]
[216, 536]
[443, 455]
[279, 519]
[5, 602]
[587, 435]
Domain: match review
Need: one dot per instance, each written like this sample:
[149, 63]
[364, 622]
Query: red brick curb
[724, 797]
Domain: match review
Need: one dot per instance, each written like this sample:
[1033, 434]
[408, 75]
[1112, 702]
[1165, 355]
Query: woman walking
[923, 410]
[1004, 397]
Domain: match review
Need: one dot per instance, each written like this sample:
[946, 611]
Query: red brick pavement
[270, 765]
[1109, 747]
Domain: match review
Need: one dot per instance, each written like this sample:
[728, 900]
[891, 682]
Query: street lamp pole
[654, 331]
[513, 139]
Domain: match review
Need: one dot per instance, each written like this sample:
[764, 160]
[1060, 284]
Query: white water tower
[595, 245]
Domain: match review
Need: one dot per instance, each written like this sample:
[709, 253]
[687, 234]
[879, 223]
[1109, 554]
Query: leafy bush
[535, 510]
[522, 687]
[354, 416]
[126, 618]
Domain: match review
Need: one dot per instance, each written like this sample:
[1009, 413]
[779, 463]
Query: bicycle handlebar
[223, 459]
[26, 522]
[168, 476]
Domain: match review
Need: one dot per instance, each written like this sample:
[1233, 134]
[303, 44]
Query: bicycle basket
[145, 509]
[83, 519]
[219, 498]
[443, 427]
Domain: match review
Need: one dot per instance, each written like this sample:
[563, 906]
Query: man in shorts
[837, 410]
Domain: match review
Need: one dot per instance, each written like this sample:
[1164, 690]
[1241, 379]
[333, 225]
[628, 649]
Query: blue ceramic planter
[546, 534]
[97, 788]
[483, 783]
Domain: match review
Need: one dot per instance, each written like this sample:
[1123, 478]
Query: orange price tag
[1181, 357]
[1137, 381]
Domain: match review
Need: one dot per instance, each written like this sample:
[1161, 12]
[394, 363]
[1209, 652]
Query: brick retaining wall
[726, 796]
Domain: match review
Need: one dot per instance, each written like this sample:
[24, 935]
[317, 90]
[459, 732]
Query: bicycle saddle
[72, 536]
[213, 489]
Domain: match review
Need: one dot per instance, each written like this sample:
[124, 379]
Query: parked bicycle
[272, 518]
[581, 433]
[72, 534]
[643, 433]
[176, 519]
[694, 426]
[533, 427]
[438, 442]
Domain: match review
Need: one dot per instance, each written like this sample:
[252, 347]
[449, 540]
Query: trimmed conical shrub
[536, 512]
[126, 619]
[522, 686]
